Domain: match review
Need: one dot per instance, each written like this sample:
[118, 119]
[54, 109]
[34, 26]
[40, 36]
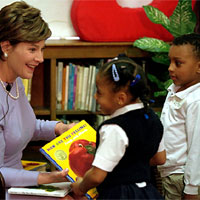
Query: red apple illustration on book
[119, 20]
[81, 156]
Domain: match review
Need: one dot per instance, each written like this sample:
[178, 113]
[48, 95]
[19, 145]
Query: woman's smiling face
[23, 58]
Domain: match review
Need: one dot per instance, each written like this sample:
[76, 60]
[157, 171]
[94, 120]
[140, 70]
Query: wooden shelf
[42, 111]
[74, 112]
[80, 49]
[76, 49]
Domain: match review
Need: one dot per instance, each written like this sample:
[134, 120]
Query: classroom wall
[55, 12]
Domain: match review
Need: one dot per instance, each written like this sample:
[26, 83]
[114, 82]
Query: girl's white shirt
[114, 141]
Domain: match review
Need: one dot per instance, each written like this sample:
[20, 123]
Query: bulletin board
[56, 13]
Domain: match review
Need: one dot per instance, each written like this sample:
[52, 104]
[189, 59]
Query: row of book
[75, 87]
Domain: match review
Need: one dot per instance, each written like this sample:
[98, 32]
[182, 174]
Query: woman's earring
[5, 55]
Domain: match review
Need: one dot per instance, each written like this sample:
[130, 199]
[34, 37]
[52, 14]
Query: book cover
[74, 149]
[53, 190]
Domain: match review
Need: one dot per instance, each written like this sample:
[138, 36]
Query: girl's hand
[53, 177]
[61, 127]
[76, 187]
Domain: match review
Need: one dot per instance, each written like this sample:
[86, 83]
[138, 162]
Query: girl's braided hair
[123, 72]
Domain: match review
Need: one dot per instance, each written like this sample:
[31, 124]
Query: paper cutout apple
[119, 20]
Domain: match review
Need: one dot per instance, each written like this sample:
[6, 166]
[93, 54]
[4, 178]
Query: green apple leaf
[183, 19]
[156, 16]
[151, 44]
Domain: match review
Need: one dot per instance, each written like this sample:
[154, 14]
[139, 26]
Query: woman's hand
[61, 127]
[53, 177]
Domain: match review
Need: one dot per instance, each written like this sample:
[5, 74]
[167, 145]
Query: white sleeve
[161, 145]
[192, 172]
[112, 147]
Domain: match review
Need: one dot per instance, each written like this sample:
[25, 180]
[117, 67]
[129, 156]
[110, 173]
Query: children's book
[53, 190]
[74, 149]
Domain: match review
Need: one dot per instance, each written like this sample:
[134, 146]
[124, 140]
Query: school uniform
[180, 118]
[125, 144]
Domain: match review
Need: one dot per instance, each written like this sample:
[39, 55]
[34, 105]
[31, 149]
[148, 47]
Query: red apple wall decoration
[108, 20]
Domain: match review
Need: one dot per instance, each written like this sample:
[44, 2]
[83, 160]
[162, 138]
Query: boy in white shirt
[181, 118]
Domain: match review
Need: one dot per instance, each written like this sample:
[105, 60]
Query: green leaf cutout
[183, 19]
[156, 16]
[160, 93]
[168, 83]
[161, 58]
[155, 80]
[152, 45]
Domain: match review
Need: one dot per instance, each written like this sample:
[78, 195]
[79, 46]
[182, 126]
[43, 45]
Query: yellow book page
[74, 150]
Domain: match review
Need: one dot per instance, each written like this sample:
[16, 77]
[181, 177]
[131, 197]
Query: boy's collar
[173, 88]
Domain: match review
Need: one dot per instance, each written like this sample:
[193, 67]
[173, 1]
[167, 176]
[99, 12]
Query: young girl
[128, 140]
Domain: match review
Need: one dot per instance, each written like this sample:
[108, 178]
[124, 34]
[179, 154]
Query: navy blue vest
[144, 138]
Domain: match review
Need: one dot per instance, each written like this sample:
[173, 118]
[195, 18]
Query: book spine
[75, 85]
[66, 87]
[63, 87]
[51, 160]
[88, 88]
[59, 85]
[71, 86]
[84, 89]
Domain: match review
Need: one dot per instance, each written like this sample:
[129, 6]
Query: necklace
[17, 90]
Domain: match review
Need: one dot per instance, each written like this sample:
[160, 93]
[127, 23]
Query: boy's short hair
[192, 39]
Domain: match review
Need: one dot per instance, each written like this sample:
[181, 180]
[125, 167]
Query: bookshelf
[75, 49]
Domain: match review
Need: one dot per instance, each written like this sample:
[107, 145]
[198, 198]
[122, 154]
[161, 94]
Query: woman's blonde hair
[20, 22]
